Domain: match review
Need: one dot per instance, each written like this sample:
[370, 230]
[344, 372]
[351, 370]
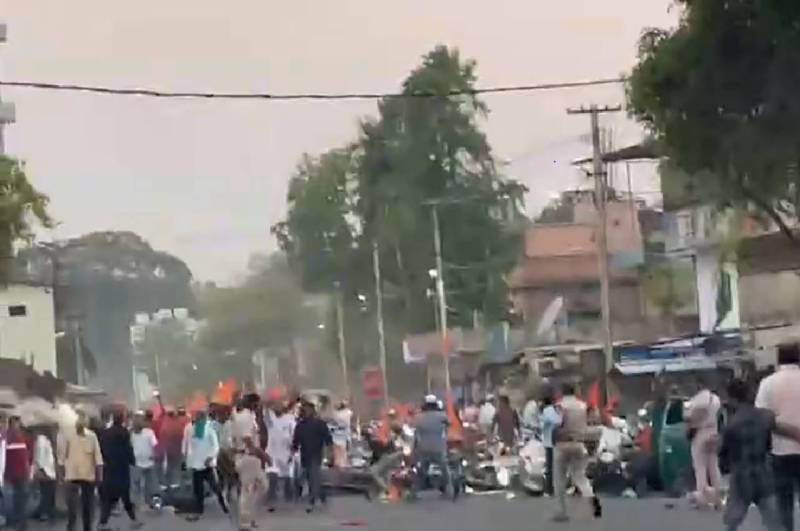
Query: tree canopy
[418, 152]
[719, 93]
[21, 207]
[558, 210]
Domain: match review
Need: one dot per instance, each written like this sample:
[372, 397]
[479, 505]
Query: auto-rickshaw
[673, 450]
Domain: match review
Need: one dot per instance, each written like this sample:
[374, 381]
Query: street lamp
[340, 332]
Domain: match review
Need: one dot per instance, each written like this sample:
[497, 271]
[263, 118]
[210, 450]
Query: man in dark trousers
[18, 471]
[115, 443]
[311, 438]
[744, 454]
[780, 393]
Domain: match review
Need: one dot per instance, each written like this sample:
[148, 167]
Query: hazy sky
[206, 179]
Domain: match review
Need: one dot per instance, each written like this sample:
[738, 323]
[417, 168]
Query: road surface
[474, 513]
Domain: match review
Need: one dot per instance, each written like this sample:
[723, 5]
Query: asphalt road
[474, 513]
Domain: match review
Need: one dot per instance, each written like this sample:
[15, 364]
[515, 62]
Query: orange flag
[224, 392]
[455, 432]
[593, 397]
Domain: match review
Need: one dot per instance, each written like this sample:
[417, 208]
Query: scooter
[533, 469]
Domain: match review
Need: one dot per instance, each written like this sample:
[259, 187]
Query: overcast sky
[205, 179]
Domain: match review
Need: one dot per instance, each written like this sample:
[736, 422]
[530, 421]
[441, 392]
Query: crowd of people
[147, 459]
[254, 451]
[753, 438]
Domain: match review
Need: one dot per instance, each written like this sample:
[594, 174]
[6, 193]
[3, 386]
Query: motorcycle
[533, 469]
[405, 476]
[493, 467]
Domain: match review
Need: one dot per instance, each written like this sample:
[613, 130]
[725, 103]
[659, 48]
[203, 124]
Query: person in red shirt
[18, 471]
[171, 438]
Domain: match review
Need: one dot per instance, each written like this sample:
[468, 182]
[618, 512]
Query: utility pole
[437, 244]
[340, 333]
[600, 191]
[376, 266]
[428, 375]
[7, 110]
[76, 345]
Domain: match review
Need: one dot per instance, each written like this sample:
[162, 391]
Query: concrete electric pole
[7, 110]
[376, 266]
[340, 334]
[601, 197]
[437, 243]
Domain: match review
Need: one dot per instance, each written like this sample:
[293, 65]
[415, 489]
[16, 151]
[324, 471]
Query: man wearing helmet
[430, 440]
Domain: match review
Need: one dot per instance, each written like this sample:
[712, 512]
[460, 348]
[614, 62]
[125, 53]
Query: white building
[27, 326]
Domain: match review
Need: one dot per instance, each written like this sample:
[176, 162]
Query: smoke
[35, 411]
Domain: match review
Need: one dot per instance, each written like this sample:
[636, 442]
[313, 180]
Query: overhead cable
[158, 93]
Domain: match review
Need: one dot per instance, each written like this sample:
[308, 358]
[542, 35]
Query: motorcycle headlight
[503, 477]
[463, 462]
[406, 451]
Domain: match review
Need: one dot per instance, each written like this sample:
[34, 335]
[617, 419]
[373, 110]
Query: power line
[157, 93]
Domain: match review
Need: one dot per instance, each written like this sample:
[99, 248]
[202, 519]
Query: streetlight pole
[376, 265]
[601, 193]
[437, 244]
[340, 333]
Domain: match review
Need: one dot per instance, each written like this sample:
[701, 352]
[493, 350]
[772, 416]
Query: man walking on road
[44, 473]
[115, 443]
[570, 458]
[280, 433]
[311, 438]
[780, 393]
[145, 479]
[81, 465]
[702, 414]
[550, 419]
[745, 455]
[506, 423]
[201, 448]
[17, 471]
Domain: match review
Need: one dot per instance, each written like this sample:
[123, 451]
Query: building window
[687, 227]
[18, 310]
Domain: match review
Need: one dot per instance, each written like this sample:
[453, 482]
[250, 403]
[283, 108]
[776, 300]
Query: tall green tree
[719, 93]
[21, 208]
[319, 234]
[426, 152]
[423, 150]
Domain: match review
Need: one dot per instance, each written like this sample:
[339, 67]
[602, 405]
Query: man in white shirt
[530, 418]
[200, 449]
[486, 415]
[44, 473]
[342, 420]
[144, 442]
[702, 414]
[780, 393]
[280, 432]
